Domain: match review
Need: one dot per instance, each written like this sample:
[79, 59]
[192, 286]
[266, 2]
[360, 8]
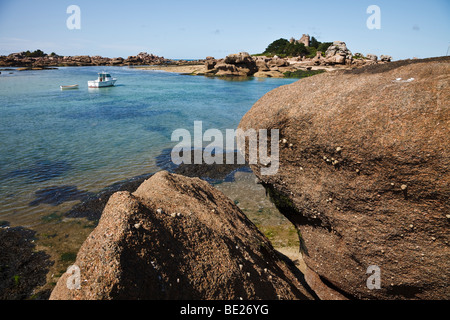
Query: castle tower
[305, 39]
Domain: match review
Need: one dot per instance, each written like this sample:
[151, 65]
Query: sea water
[80, 141]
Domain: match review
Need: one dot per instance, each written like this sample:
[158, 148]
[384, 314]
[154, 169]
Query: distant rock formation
[21, 60]
[385, 58]
[372, 57]
[178, 238]
[338, 54]
[240, 64]
[143, 58]
[364, 174]
[243, 64]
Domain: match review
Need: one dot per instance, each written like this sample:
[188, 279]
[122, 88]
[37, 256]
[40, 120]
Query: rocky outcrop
[372, 57]
[143, 58]
[21, 60]
[243, 64]
[277, 62]
[210, 63]
[240, 64]
[117, 61]
[178, 238]
[261, 63]
[338, 54]
[226, 69]
[364, 175]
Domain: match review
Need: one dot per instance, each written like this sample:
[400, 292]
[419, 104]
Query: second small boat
[104, 80]
[73, 86]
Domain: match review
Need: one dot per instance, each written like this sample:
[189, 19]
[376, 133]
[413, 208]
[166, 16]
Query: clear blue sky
[193, 29]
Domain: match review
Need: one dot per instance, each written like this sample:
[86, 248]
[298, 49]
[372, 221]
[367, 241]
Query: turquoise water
[87, 139]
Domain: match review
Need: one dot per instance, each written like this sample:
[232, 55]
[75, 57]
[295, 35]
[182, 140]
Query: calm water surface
[54, 142]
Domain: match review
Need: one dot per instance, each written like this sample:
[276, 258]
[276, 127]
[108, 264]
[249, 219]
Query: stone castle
[305, 39]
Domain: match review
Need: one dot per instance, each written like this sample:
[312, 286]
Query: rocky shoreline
[336, 57]
[21, 60]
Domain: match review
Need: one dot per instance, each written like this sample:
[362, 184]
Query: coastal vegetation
[37, 53]
[285, 48]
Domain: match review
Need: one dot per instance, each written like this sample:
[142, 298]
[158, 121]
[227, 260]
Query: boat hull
[75, 86]
[101, 84]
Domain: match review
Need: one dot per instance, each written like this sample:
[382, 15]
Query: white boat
[73, 86]
[104, 80]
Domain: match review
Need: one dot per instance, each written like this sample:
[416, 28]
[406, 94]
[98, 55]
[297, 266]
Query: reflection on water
[234, 78]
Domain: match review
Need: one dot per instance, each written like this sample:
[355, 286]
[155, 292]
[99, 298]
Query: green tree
[296, 49]
[324, 46]
[283, 47]
[36, 53]
[277, 47]
[314, 43]
[311, 52]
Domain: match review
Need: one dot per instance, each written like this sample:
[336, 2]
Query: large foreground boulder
[177, 238]
[364, 175]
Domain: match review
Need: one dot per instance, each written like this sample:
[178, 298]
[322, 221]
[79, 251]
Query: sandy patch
[187, 69]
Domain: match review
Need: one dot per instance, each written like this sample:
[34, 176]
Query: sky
[194, 29]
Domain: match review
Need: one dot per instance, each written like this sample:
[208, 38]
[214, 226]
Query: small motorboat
[73, 86]
[104, 80]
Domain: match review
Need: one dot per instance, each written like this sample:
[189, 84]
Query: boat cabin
[102, 76]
